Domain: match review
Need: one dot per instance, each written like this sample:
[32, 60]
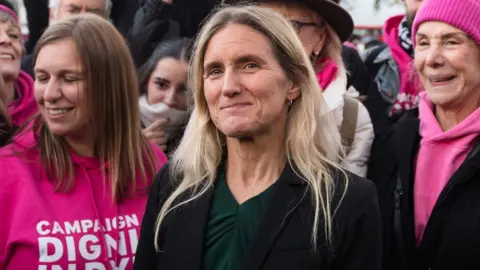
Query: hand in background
[155, 133]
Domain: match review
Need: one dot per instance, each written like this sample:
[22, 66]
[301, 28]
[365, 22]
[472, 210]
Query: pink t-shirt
[83, 229]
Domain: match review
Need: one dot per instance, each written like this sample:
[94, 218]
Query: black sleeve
[123, 13]
[146, 254]
[27, 65]
[37, 17]
[378, 110]
[358, 75]
[156, 21]
[362, 240]
[152, 23]
[382, 160]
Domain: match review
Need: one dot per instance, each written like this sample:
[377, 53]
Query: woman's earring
[314, 56]
[290, 103]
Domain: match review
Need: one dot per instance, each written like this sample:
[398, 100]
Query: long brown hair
[111, 95]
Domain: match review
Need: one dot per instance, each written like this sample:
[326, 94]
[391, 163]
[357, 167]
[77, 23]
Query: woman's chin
[9, 73]
[240, 132]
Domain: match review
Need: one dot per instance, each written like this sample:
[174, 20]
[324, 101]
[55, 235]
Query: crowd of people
[238, 135]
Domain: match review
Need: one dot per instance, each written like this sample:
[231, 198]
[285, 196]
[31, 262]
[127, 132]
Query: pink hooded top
[409, 88]
[25, 106]
[441, 154]
[82, 229]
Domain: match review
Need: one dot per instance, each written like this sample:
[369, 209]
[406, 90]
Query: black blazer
[284, 236]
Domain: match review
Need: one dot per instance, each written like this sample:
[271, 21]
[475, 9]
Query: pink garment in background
[407, 98]
[328, 72]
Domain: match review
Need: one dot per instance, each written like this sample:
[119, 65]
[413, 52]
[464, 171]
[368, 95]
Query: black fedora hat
[334, 14]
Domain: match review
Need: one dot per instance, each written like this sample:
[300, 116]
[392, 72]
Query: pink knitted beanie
[462, 14]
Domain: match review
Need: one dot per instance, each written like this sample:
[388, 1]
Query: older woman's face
[448, 62]
[312, 37]
[245, 88]
[10, 49]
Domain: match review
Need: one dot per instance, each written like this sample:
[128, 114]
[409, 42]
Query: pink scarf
[25, 106]
[442, 150]
[410, 87]
[328, 72]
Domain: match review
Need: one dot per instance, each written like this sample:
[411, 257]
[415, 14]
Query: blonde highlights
[111, 97]
[312, 139]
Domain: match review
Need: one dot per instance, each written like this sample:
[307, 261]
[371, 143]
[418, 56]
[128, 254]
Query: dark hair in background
[179, 49]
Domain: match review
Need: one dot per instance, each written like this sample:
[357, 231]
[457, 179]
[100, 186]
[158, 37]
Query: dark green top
[231, 227]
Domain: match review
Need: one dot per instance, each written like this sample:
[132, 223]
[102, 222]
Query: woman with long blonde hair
[253, 184]
[322, 26]
[73, 186]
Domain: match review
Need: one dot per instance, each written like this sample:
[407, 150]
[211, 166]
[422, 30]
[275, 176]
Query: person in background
[252, 185]
[355, 39]
[322, 26]
[357, 73]
[73, 189]
[18, 85]
[160, 20]
[60, 9]
[122, 14]
[426, 168]
[163, 93]
[391, 67]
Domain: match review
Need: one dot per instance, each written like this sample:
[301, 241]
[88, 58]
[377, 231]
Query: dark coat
[156, 21]
[283, 240]
[452, 236]
[358, 75]
[37, 18]
[123, 13]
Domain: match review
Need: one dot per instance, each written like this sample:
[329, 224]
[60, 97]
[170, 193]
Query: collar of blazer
[184, 235]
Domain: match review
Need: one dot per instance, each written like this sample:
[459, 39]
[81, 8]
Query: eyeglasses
[298, 25]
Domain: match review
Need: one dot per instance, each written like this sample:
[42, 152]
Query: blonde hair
[111, 98]
[312, 140]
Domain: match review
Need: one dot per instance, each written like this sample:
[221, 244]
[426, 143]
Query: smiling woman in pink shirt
[73, 187]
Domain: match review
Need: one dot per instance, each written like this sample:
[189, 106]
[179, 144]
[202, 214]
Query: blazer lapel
[284, 200]
[185, 236]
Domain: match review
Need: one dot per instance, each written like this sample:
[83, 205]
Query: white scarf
[151, 112]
